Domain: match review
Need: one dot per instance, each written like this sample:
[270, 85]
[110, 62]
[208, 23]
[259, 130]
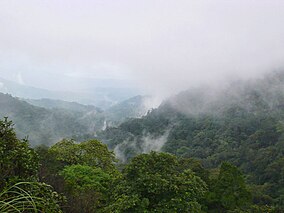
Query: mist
[159, 47]
[265, 91]
[145, 144]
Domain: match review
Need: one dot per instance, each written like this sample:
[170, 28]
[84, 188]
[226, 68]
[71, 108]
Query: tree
[228, 191]
[86, 186]
[17, 160]
[19, 189]
[92, 153]
[83, 171]
[154, 183]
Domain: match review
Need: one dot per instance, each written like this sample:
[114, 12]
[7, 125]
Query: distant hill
[232, 104]
[45, 121]
[102, 97]
[24, 91]
[134, 107]
[59, 104]
[42, 126]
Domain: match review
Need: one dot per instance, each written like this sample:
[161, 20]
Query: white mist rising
[151, 143]
[214, 99]
[145, 144]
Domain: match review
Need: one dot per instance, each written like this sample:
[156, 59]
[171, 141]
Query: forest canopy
[85, 177]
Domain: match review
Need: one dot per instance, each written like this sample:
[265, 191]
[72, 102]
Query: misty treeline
[47, 121]
[85, 177]
[242, 123]
[219, 150]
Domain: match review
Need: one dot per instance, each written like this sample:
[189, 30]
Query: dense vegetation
[20, 190]
[89, 180]
[220, 150]
[242, 124]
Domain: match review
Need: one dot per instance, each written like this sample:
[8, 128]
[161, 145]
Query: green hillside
[242, 123]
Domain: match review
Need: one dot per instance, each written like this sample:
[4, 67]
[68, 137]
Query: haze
[158, 46]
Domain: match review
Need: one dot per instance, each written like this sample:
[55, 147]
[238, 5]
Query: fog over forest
[142, 106]
[158, 47]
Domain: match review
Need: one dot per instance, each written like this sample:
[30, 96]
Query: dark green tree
[19, 189]
[229, 190]
[17, 160]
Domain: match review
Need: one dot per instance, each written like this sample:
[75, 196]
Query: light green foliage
[87, 169]
[155, 183]
[87, 187]
[81, 177]
[92, 153]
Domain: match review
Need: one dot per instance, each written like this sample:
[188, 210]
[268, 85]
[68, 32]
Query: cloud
[100, 71]
[163, 46]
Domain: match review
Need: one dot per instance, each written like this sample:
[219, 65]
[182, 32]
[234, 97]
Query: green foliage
[17, 160]
[155, 182]
[82, 171]
[242, 124]
[19, 164]
[80, 177]
[228, 191]
[87, 186]
[92, 153]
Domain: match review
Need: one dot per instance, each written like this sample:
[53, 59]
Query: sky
[159, 46]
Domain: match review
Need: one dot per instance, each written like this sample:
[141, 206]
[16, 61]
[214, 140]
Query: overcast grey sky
[162, 46]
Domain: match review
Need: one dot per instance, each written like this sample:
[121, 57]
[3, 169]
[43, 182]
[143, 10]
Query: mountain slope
[59, 104]
[43, 126]
[242, 123]
[95, 118]
[134, 107]
[103, 97]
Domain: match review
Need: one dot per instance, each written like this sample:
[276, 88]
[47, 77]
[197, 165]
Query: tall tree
[91, 153]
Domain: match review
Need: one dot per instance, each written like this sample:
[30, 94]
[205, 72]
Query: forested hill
[46, 121]
[243, 123]
[60, 104]
[263, 94]
[42, 126]
[134, 107]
